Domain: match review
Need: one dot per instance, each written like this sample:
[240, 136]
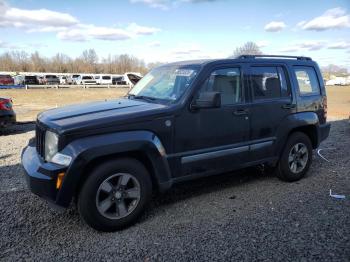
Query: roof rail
[274, 56]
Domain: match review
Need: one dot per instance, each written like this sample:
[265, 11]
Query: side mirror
[207, 100]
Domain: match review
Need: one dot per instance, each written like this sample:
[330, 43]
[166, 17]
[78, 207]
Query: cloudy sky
[165, 30]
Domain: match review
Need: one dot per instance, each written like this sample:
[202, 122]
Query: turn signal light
[59, 180]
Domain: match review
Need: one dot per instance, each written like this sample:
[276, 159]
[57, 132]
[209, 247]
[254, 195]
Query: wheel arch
[88, 152]
[310, 131]
[138, 155]
[306, 122]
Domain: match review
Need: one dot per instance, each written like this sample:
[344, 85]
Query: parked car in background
[18, 79]
[31, 80]
[75, 78]
[97, 78]
[63, 80]
[6, 80]
[7, 115]
[103, 79]
[40, 80]
[130, 79]
[51, 80]
[86, 80]
[117, 80]
[69, 80]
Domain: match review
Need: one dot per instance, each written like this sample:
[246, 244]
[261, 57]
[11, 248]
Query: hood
[97, 114]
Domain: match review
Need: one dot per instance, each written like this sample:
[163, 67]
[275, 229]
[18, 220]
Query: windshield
[51, 76]
[5, 76]
[166, 82]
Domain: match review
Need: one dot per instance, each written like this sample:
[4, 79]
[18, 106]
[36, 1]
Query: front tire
[296, 158]
[115, 194]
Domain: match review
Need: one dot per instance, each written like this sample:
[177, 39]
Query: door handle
[288, 106]
[240, 112]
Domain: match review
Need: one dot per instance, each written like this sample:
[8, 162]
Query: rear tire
[115, 194]
[296, 158]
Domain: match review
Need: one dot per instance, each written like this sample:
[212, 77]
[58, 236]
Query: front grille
[40, 140]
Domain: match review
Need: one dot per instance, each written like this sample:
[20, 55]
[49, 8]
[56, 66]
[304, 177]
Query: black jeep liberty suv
[181, 121]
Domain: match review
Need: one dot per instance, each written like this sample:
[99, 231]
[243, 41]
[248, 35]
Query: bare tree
[38, 63]
[90, 60]
[7, 63]
[249, 48]
[59, 63]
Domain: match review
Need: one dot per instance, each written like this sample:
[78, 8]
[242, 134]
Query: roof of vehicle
[246, 58]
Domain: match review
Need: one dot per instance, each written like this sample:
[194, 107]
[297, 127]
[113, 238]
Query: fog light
[59, 180]
[61, 159]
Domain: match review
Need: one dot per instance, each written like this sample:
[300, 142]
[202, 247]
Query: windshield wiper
[148, 98]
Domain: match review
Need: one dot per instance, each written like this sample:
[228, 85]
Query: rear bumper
[41, 176]
[7, 119]
[323, 132]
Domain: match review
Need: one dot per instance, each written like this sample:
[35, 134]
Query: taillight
[5, 104]
[324, 103]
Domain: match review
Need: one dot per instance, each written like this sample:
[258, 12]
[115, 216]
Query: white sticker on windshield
[184, 72]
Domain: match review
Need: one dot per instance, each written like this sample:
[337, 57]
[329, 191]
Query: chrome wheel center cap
[118, 195]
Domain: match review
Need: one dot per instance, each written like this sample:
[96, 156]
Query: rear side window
[227, 82]
[269, 83]
[307, 80]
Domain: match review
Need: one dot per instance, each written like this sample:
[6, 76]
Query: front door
[215, 139]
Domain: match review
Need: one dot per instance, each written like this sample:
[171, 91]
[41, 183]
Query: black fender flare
[87, 149]
[293, 121]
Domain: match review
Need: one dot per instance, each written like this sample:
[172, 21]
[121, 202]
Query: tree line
[87, 62]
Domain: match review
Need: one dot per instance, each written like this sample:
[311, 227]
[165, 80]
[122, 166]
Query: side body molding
[88, 149]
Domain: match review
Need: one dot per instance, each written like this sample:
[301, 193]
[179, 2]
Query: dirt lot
[338, 101]
[28, 103]
[244, 216]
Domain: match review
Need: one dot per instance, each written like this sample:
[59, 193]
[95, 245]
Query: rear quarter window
[307, 80]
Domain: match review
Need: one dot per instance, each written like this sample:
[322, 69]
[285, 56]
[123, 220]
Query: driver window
[227, 82]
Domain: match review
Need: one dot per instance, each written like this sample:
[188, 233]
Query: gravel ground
[242, 216]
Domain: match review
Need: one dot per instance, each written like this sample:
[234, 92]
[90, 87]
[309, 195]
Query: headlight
[51, 145]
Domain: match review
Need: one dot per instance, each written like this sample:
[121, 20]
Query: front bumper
[41, 176]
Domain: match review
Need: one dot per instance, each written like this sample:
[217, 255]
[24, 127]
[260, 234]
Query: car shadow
[4, 157]
[210, 184]
[18, 128]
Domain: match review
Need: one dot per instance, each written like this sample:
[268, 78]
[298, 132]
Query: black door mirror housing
[207, 100]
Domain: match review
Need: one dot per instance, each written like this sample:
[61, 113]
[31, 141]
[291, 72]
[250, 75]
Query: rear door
[271, 103]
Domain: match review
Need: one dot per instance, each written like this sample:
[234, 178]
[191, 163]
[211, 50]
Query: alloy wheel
[118, 196]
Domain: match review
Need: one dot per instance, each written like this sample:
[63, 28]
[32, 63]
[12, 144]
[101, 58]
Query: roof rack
[274, 56]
